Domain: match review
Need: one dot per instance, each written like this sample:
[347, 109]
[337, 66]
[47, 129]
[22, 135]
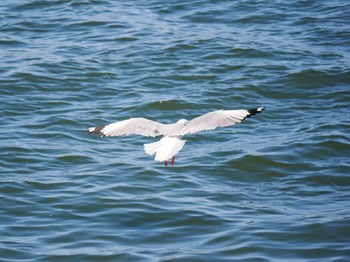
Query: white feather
[165, 148]
[212, 120]
[171, 142]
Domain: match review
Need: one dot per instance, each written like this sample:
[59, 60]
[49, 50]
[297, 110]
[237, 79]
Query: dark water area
[273, 188]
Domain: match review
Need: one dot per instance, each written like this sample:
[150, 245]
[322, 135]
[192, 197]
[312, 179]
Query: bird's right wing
[219, 118]
[138, 126]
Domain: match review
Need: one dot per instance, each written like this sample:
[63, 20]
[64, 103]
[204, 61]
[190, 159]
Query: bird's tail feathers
[165, 148]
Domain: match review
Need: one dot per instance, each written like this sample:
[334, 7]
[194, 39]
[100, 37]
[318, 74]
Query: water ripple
[272, 188]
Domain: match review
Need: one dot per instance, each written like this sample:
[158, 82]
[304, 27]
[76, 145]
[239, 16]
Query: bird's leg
[173, 161]
[166, 163]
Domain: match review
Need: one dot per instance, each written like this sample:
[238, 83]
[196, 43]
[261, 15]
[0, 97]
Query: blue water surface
[273, 188]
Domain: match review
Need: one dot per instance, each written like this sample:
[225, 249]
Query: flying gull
[171, 143]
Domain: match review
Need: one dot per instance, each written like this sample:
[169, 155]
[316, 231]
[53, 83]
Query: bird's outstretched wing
[138, 126]
[219, 118]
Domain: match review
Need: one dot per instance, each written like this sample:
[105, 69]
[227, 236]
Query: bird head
[182, 121]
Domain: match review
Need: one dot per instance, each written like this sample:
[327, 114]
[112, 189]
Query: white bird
[171, 142]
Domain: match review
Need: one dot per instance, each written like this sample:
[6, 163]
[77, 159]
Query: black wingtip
[255, 111]
[96, 130]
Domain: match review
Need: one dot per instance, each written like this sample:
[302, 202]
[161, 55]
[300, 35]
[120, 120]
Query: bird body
[167, 147]
[171, 143]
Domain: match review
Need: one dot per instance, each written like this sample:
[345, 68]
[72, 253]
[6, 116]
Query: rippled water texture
[274, 188]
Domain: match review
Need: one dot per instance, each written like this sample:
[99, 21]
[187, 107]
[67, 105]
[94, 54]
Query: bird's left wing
[219, 118]
[138, 126]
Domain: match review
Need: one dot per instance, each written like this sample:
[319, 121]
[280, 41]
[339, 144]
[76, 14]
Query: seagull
[171, 143]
